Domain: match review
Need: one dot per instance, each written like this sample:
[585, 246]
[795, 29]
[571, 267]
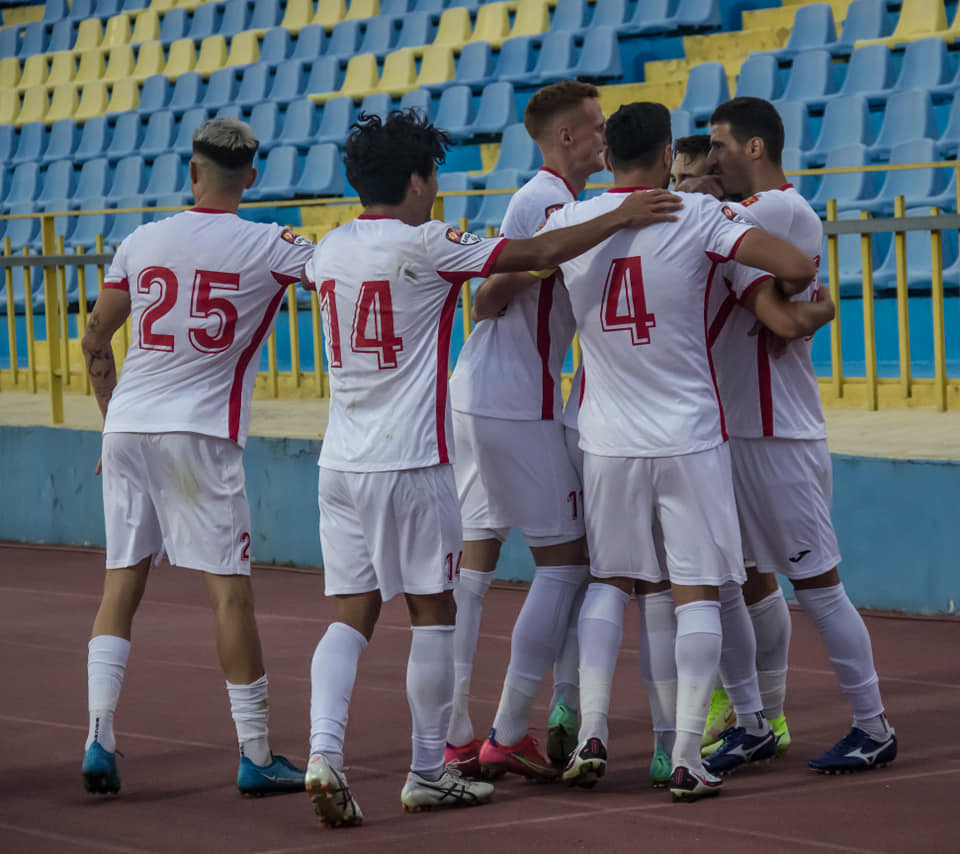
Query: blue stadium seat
[57, 181]
[758, 77]
[8, 137]
[517, 150]
[655, 16]
[229, 111]
[106, 8]
[926, 65]
[87, 228]
[9, 37]
[792, 159]
[420, 99]
[278, 177]
[850, 259]
[698, 14]
[300, 123]
[919, 186]
[127, 179]
[456, 207]
[310, 43]
[338, 115]
[918, 258]
[154, 94]
[266, 14]
[344, 40]
[276, 45]
[497, 110]
[63, 35]
[866, 19]
[416, 29]
[600, 56]
[205, 22]
[158, 137]
[325, 75]
[253, 85]
[126, 137]
[680, 123]
[189, 122]
[846, 119]
[909, 115]
[555, 60]
[395, 7]
[947, 146]
[813, 29]
[24, 184]
[93, 139]
[612, 13]
[868, 72]
[54, 10]
[92, 183]
[122, 225]
[706, 89]
[80, 9]
[515, 60]
[264, 121]
[811, 78]
[221, 88]
[380, 36]
[173, 26]
[431, 6]
[454, 111]
[168, 201]
[289, 81]
[376, 104]
[323, 172]
[33, 39]
[166, 176]
[492, 208]
[796, 124]
[236, 15]
[186, 92]
[25, 232]
[30, 144]
[569, 15]
[849, 189]
[475, 65]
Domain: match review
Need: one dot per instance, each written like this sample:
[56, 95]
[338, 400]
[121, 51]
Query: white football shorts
[784, 488]
[396, 531]
[179, 493]
[571, 437]
[691, 495]
[516, 474]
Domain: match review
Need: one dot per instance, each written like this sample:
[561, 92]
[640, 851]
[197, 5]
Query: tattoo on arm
[100, 366]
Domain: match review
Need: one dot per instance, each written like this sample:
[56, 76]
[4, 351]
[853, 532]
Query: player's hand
[709, 184]
[99, 468]
[645, 207]
[776, 346]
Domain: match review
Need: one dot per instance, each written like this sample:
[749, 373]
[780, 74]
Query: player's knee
[831, 578]
[759, 585]
[438, 609]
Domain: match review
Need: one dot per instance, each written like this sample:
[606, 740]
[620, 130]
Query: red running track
[179, 769]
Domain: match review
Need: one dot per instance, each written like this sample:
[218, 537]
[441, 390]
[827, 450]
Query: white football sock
[699, 635]
[430, 695]
[566, 669]
[658, 664]
[738, 659]
[333, 672]
[537, 637]
[469, 593]
[250, 708]
[106, 662]
[601, 633]
[772, 625]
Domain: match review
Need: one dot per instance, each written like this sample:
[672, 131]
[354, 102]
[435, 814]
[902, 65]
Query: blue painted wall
[895, 518]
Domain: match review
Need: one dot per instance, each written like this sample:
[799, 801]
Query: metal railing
[55, 364]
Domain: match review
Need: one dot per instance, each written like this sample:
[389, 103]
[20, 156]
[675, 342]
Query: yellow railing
[55, 363]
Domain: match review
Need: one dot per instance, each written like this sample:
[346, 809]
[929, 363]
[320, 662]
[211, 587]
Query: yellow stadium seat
[297, 15]
[533, 16]
[189, 4]
[146, 27]
[493, 24]
[244, 48]
[362, 9]
[362, 76]
[117, 31]
[161, 6]
[918, 19]
[954, 31]
[212, 56]
[124, 95]
[63, 67]
[36, 102]
[90, 67]
[436, 65]
[454, 28]
[329, 13]
[180, 59]
[35, 71]
[94, 98]
[150, 60]
[839, 6]
[9, 105]
[63, 102]
[120, 64]
[399, 72]
[89, 35]
[9, 74]
[719, 47]
[777, 16]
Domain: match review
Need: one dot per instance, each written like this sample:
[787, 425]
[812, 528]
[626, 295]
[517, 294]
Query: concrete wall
[895, 518]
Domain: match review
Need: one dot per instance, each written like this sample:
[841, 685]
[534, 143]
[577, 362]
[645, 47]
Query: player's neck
[768, 177]
[403, 212]
[571, 176]
[636, 178]
[216, 201]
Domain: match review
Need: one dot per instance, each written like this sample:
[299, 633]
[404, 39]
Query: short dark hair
[693, 147]
[750, 117]
[381, 155]
[552, 99]
[637, 133]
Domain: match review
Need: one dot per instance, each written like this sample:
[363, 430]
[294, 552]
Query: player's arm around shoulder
[788, 318]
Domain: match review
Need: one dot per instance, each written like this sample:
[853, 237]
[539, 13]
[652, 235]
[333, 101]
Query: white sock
[333, 671]
[658, 664]
[469, 593]
[772, 625]
[430, 695]
[601, 633]
[538, 635]
[566, 669]
[738, 659]
[250, 708]
[699, 638]
[106, 662]
[848, 646]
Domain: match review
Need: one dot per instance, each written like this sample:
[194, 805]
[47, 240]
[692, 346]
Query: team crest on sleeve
[750, 200]
[464, 238]
[295, 239]
[731, 214]
[551, 209]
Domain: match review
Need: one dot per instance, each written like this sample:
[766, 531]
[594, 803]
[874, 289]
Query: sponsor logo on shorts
[464, 238]
[799, 556]
[295, 239]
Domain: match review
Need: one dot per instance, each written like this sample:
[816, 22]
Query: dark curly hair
[381, 155]
[637, 133]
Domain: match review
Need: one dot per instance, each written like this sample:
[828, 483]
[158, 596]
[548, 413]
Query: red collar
[210, 211]
[786, 187]
[371, 216]
[566, 183]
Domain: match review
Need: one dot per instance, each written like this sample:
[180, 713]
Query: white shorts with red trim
[691, 495]
[179, 493]
[516, 474]
[571, 437]
[392, 531]
[784, 488]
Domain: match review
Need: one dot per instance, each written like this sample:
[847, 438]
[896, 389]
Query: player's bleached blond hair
[229, 143]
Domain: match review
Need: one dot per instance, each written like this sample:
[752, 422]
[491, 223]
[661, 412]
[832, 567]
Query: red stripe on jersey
[236, 389]
[717, 258]
[749, 288]
[721, 317]
[209, 210]
[786, 187]
[583, 387]
[763, 380]
[566, 183]
[706, 338]
[443, 362]
[458, 277]
[544, 307]
[283, 278]
[122, 285]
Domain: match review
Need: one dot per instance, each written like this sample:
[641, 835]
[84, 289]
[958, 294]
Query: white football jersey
[571, 409]
[388, 292]
[205, 287]
[764, 396]
[510, 365]
[640, 302]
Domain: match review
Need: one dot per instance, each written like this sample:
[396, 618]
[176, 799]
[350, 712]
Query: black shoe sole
[99, 784]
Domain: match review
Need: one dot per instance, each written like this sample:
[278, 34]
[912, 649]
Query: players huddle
[688, 466]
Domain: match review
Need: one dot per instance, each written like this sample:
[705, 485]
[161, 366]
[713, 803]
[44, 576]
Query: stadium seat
[30, 143]
[236, 15]
[174, 26]
[212, 56]
[33, 39]
[680, 123]
[24, 184]
[493, 207]
[300, 123]
[918, 259]
[220, 91]
[9, 37]
[813, 29]
[253, 85]
[849, 189]
[324, 79]
[88, 227]
[146, 27]
[791, 160]
[926, 65]
[919, 186]
[93, 142]
[454, 28]
[54, 10]
[266, 15]
[909, 115]
[277, 179]
[600, 56]
[63, 35]
[244, 49]
[395, 7]
[430, 6]
[158, 136]
[569, 15]
[124, 95]
[869, 72]
[121, 225]
[706, 89]
[475, 65]
[531, 18]
[554, 60]
[288, 82]
[154, 94]
[25, 232]
[418, 99]
[36, 70]
[811, 78]
[698, 14]
[65, 103]
[380, 36]
[181, 58]
[126, 137]
[189, 122]
[918, 18]
[846, 119]
[454, 111]
[948, 146]
[105, 8]
[116, 32]
[515, 61]
[90, 67]
[604, 177]
[437, 67]
[399, 72]
[758, 78]
[496, 111]
[186, 92]
[344, 41]
[376, 103]
[9, 72]
[89, 35]
[338, 114]
[416, 30]
[150, 61]
[61, 141]
[276, 46]
[492, 24]
[230, 111]
[57, 181]
[796, 124]
[361, 78]
[612, 13]
[310, 43]
[360, 9]
[33, 107]
[517, 150]
[166, 176]
[866, 19]
[648, 18]
[297, 15]
[205, 22]
[183, 199]
[120, 64]
[265, 122]
[323, 172]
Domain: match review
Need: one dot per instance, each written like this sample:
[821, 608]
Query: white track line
[72, 840]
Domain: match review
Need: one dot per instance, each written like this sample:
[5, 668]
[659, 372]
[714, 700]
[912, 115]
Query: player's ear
[193, 172]
[755, 147]
[606, 159]
[251, 177]
[668, 156]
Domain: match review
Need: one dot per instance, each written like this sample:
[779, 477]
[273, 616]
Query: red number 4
[624, 304]
[373, 327]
